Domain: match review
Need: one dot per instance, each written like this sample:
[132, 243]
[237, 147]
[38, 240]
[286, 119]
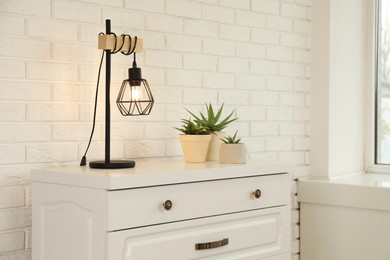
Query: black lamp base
[113, 164]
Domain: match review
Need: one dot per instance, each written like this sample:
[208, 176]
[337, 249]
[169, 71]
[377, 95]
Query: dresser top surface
[153, 172]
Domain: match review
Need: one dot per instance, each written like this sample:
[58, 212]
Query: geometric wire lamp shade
[134, 97]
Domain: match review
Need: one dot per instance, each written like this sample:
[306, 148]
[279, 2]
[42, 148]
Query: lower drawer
[257, 234]
[279, 257]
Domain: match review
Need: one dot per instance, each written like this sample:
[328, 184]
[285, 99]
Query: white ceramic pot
[232, 153]
[215, 144]
[195, 147]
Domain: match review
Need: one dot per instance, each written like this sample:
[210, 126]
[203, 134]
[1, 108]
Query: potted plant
[213, 122]
[232, 151]
[194, 139]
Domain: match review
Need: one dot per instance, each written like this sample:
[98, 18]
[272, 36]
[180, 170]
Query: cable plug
[83, 161]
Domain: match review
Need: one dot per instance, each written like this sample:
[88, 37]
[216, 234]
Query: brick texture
[251, 55]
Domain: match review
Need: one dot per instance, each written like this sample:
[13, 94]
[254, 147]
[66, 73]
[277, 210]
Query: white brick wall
[251, 55]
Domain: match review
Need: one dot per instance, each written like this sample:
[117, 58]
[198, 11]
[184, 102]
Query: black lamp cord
[84, 158]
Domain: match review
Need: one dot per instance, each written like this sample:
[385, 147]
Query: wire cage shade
[135, 98]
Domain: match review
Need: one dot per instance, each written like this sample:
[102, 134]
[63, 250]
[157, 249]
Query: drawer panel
[144, 206]
[251, 235]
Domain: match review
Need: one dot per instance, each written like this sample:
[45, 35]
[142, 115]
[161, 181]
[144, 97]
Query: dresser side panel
[68, 222]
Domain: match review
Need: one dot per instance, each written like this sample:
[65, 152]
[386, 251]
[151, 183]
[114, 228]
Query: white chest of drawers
[162, 209]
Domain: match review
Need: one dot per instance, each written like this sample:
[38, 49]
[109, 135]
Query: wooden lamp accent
[107, 42]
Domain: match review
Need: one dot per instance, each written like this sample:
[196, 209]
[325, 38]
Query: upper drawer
[145, 206]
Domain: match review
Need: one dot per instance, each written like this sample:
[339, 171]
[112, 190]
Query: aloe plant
[231, 139]
[212, 121]
[192, 128]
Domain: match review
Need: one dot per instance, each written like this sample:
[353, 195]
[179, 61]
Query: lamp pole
[108, 108]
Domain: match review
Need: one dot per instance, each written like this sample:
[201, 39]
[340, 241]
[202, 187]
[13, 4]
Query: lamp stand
[107, 163]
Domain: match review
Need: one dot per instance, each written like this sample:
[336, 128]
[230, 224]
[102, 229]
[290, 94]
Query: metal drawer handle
[167, 205]
[210, 245]
[257, 193]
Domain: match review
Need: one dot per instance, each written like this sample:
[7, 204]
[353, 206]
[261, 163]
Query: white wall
[252, 55]
[339, 87]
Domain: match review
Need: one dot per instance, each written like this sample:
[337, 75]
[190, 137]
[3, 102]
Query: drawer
[145, 206]
[260, 234]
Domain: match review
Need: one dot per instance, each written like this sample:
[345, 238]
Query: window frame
[372, 31]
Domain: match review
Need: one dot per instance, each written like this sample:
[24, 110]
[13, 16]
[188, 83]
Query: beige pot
[195, 147]
[232, 153]
[215, 144]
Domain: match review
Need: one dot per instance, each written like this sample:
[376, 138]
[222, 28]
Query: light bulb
[135, 93]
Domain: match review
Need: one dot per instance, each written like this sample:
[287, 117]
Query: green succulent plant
[231, 139]
[212, 121]
[189, 127]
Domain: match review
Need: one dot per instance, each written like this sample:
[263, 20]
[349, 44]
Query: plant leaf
[218, 113]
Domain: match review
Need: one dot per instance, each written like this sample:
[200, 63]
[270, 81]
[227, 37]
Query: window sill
[379, 168]
[360, 190]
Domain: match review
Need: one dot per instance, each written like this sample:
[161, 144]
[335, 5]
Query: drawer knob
[257, 193]
[167, 205]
